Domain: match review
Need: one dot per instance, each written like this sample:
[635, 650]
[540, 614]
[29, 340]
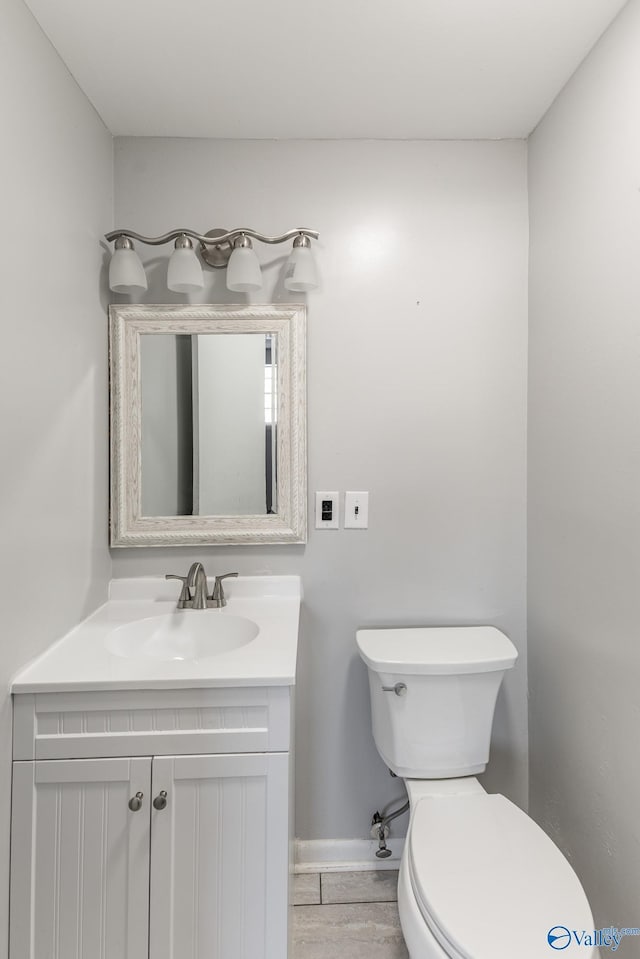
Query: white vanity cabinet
[151, 824]
[79, 859]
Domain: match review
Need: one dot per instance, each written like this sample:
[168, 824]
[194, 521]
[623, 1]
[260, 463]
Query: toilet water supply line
[380, 829]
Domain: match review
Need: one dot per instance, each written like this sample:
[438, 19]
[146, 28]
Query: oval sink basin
[186, 635]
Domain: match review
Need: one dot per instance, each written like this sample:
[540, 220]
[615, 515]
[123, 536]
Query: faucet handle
[218, 596]
[185, 594]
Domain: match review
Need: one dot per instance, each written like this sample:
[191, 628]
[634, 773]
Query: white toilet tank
[433, 695]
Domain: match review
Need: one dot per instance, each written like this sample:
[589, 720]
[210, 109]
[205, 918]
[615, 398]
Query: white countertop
[80, 660]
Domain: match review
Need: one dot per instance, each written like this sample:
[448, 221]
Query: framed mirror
[208, 425]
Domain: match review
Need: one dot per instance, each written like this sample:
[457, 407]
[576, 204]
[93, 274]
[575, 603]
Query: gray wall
[56, 172]
[231, 434]
[584, 478]
[417, 388]
[164, 492]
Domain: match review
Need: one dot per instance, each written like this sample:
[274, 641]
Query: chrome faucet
[197, 581]
[193, 594]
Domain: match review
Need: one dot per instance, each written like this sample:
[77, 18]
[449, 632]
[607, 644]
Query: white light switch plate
[356, 510]
[322, 500]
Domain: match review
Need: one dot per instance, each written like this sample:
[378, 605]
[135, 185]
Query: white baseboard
[344, 855]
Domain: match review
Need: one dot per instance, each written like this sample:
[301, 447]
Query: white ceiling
[323, 68]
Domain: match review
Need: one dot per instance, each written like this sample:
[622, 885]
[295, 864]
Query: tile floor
[350, 915]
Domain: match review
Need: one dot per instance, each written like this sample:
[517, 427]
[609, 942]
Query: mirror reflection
[208, 424]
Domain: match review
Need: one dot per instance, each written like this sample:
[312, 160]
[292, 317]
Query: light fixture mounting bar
[209, 240]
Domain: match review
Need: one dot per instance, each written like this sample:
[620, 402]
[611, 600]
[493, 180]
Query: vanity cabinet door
[219, 857]
[80, 859]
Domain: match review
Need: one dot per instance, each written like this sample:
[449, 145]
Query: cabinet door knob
[136, 802]
[161, 800]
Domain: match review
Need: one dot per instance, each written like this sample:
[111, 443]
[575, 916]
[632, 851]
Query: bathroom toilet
[478, 878]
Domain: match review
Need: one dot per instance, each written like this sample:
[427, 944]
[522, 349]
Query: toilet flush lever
[400, 689]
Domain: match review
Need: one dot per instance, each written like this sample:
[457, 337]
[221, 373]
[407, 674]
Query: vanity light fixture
[301, 273]
[218, 248]
[126, 273]
[184, 273]
[243, 271]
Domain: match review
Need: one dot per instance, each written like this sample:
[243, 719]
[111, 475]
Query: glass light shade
[301, 273]
[184, 274]
[243, 271]
[126, 272]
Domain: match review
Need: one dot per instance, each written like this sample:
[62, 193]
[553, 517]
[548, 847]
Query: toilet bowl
[478, 878]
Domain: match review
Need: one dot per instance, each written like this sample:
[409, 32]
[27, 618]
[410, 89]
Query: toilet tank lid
[490, 883]
[436, 649]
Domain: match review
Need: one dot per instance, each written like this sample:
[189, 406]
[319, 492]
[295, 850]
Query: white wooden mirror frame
[128, 526]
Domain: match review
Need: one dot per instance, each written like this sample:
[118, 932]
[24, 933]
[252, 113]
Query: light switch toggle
[356, 510]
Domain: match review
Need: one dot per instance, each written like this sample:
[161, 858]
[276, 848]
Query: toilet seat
[489, 882]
